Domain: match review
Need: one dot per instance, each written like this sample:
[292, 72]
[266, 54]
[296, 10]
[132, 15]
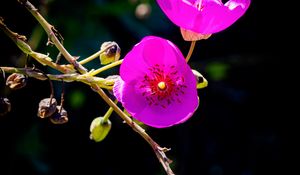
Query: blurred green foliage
[76, 99]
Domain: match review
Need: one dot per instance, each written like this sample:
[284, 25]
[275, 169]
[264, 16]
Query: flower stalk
[192, 46]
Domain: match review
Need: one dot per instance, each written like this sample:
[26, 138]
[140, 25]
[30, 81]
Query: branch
[87, 78]
[96, 55]
[106, 67]
[159, 151]
[20, 41]
[52, 34]
[96, 83]
[35, 73]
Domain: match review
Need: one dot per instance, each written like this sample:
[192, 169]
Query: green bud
[111, 52]
[41, 58]
[23, 45]
[201, 81]
[110, 80]
[99, 129]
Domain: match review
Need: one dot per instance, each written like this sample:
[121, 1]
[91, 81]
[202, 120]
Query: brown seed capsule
[5, 106]
[46, 108]
[60, 116]
[16, 81]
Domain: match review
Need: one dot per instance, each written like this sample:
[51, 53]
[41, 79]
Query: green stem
[193, 43]
[108, 113]
[30, 72]
[111, 65]
[160, 152]
[95, 55]
[90, 58]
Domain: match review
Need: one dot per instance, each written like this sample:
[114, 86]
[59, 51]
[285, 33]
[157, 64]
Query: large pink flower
[203, 16]
[157, 87]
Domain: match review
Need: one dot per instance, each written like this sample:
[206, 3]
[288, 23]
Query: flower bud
[111, 54]
[16, 81]
[99, 129]
[46, 109]
[60, 116]
[110, 80]
[189, 35]
[143, 10]
[201, 81]
[5, 106]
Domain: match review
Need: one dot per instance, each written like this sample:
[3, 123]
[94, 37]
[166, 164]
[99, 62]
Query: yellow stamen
[162, 85]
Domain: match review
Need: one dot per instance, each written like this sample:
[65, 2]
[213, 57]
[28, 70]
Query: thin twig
[20, 41]
[87, 78]
[106, 67]
[160, 152]
[95, 55]
[193, 43]
[52, 34]
[34, 73]
[62, 99]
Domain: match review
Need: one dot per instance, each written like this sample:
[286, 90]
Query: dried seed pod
[47, 108]
[111, 54]
[60, 116]
[5, 106]
[16, 81]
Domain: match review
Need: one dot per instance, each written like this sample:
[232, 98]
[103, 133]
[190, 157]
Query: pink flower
[157, 87]
[203, 16]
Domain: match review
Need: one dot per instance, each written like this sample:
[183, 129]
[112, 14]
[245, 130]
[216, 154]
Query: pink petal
[118, 89]
[212, 18]
[129, 96]
[176, 112]
[150, 51]
[149, 59]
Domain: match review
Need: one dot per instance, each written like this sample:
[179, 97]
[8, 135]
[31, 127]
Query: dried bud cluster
[16, 81]
[48, 108]
[60, 116]
[5, 106]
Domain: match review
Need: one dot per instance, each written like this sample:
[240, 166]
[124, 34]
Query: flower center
[198, 5]
[162, 86]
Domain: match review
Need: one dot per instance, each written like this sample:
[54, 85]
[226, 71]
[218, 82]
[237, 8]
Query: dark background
[237, 129]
